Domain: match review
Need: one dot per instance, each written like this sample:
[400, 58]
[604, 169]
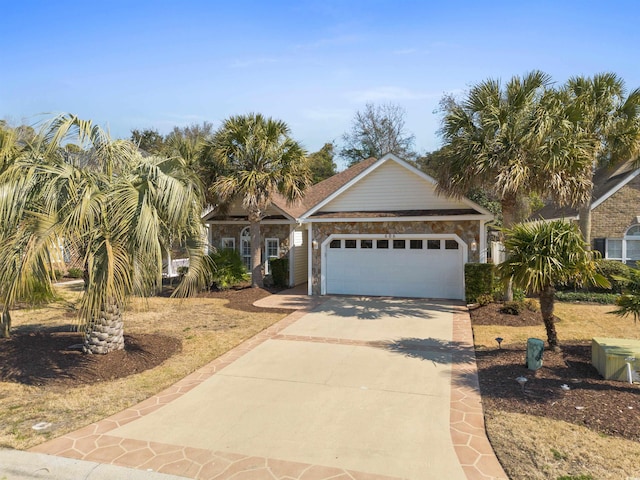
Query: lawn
[195, 331]
[588, 432]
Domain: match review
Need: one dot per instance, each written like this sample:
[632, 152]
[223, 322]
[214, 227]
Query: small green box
[535, 349]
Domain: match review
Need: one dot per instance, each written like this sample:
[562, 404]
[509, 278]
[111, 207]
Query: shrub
[531, 305]
[485, 299]
[75, 273]
[57, 274]
[229, 270]
[593, 297]
[513, 308]
[613, 270]
[280, 271]
[479, 280]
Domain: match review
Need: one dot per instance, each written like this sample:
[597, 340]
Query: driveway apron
[357, 388]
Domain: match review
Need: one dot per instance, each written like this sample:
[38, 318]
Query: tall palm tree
[545, 254]
[252, 158]
[511, 140]
[602, 112]
[110, 203]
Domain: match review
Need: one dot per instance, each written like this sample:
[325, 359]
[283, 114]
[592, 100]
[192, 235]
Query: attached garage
[424, 266]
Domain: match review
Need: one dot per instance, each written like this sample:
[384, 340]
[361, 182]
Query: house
[615, 213]
[377, 228]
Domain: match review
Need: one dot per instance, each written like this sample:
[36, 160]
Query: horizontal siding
[236, 210]
[391, 187]
[300, 261]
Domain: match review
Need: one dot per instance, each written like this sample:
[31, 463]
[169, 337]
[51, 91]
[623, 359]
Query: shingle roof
[604, 181]
[318, 192]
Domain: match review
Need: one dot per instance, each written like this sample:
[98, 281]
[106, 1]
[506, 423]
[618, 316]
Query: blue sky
[313, 64]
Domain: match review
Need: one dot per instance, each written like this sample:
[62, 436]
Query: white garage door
[401, 267]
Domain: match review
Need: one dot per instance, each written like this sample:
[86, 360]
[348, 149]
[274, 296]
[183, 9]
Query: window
[382, 244]
[228, 243]
[627, 249]
[415, 244]
[272, 251]
[433, 244]
[399, 244]
[614, 249]
[245, 248]
[450, 245]
[366, 243]
[349, 244]
[335, 244]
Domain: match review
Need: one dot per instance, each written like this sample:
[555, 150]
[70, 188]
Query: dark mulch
[44, 358]
[608, 407]
[41, 356]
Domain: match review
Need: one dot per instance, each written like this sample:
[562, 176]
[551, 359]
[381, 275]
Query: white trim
[373, 167]
[431, 218]
[267, 257]
[615, 189]
[246, 238]
[292, 254]
[407, 236]
[310, 260]
[222, 245]
[246, 222]
[483, 243]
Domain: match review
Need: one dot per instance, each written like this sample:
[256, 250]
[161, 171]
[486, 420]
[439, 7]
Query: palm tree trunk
[106, 332]
[546, 308]
[509, 206]
[256, 270]
[585, 222]
[5, 324]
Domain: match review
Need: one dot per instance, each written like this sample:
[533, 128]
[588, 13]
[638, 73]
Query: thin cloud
[405, 51]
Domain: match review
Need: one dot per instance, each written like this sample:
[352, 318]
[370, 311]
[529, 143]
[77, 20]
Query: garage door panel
[435, 273]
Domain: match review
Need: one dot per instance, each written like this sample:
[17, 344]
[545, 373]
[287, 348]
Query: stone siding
[468, 231]
[615, 215]
[227, 230]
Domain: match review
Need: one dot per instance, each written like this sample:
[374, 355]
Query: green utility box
[535, 349]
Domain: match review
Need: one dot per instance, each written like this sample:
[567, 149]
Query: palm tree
[629, 302]
[108, 202]
[545, 254]
[253, 158]
[513, 141]
[610, 120]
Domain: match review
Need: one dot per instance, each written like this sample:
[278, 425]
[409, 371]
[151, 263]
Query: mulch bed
[608, 407]
[43, 357]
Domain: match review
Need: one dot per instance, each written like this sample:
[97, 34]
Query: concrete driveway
[358, 388]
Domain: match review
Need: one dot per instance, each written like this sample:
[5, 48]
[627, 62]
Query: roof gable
[390, 184]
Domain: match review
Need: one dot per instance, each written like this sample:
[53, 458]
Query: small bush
[613, 270]
[485, 299]
[57, 274]
[593, 297]
[280, 271]
[479, 280]
[75, 273]
[229, 270]
[575, 477]
[531, 305]
[513, 308]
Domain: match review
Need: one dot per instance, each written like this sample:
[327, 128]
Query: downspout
[310, 260]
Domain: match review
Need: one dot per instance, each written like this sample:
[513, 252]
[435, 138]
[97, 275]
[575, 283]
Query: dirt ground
[607, 407]
[41, 357]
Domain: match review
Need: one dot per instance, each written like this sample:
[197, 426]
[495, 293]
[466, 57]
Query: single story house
[377, 228]
[615, 213]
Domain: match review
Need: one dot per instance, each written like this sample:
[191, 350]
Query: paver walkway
[358, 388]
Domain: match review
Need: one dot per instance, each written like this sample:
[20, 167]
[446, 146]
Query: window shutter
[599, 245]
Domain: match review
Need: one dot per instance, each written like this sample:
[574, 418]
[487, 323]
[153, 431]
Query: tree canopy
[321, 164]
[376, 131]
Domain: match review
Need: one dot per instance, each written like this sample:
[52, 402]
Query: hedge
[479, 280]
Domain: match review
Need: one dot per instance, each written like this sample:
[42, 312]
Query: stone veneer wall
[615, 215]
[227, 230]
[467, 230]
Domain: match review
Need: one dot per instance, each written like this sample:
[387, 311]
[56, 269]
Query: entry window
[433, 244]
[272, 251]
[335, 244]
[415, 244]
[399, 244]
[228, 243]
[350, 244]
[382, 244]
[450, 245]
[366, 243]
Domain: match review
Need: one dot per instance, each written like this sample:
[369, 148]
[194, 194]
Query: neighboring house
[378, 228]
[615, 213]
